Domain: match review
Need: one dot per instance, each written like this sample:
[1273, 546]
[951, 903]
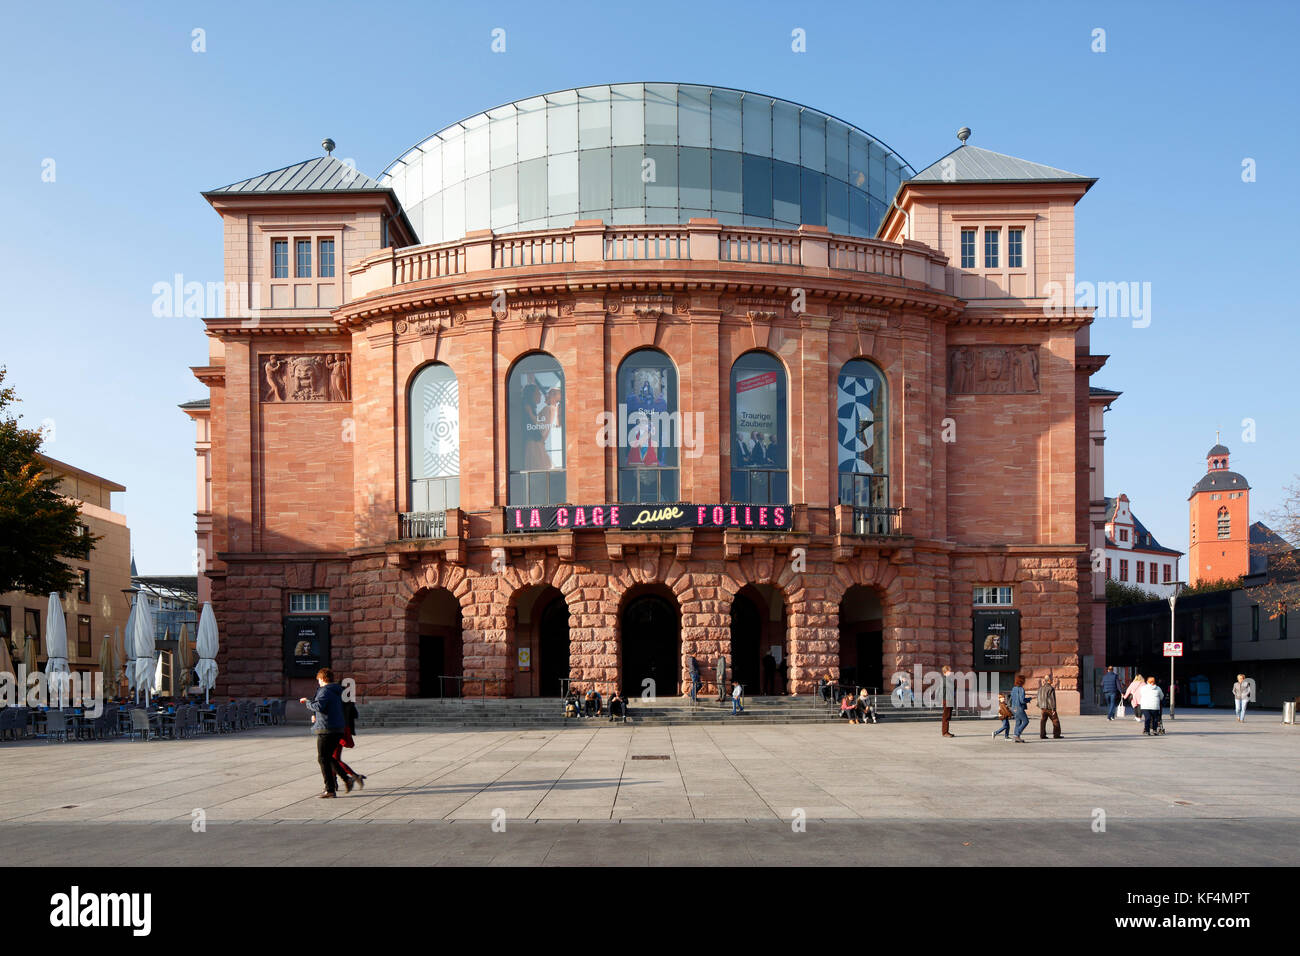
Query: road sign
[1173, 648]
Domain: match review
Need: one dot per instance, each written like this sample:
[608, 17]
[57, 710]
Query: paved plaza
[1208, 792]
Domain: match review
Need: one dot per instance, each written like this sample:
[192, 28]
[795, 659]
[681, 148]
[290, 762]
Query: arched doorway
[862, 648]
[541, 646]
[441, 660]
[760, 656]
[651, 645]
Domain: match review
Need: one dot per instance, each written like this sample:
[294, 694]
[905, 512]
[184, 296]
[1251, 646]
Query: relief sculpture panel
[993, 370]
[317, 377]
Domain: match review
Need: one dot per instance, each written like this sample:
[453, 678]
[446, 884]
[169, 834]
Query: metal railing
[422, 524]
[877, 522]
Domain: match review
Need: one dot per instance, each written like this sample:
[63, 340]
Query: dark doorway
[862, 646]
[440, 660]
[651, 646]
[553, 647]
[746, 629]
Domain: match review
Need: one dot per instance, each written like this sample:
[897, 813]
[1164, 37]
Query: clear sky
[137, 123]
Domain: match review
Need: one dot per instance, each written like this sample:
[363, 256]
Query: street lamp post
[1173, 620]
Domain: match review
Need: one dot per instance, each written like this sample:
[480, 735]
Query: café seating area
[163, 718]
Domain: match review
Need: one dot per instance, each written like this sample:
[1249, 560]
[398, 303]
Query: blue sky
[137, 124]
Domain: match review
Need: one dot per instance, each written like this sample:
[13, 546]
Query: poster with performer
[647, 390]
[757, 422]
[537, 415]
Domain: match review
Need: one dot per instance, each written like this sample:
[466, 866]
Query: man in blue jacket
[330, 725]
[1110, 691]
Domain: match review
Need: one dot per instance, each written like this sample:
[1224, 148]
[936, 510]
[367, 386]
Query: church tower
[1219, 511]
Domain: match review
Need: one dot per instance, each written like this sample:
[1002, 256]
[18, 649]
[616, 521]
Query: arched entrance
[438, 626]
[650, 644]
[862, 649]
[760, 655]
[542, 635]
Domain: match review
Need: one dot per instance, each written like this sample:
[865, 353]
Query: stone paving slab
[1207, 767]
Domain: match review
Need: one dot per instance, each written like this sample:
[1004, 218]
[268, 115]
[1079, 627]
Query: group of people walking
[1014, 706]
[334, 721]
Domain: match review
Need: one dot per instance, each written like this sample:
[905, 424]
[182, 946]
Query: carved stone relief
[316, 377]
[993, 369]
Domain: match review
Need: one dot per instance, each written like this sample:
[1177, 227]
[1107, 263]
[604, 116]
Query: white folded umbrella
[56, 652]
[142, 646]
[206, 646]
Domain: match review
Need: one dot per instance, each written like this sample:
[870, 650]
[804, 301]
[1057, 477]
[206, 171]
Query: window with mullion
[1015, 248]
[280, 259]
[991, 248]
[968, 248]
[325, 259]
[302, 259]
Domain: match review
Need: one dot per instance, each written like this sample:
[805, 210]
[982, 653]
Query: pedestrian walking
[1151, 698]
[949, 699]
[1242, 691]
[1047, 705]
[350, 777]
[1004, 712]
[1110, 691]
[1019, 702]
[329, 726]
[1134, 696]
[722, 679]
[695, 679]
[736, 706]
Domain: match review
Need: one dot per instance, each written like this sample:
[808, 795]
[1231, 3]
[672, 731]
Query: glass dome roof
[646, 153]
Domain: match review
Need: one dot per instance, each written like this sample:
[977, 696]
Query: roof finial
[328, 144]
[963, 134]
[1216, 436]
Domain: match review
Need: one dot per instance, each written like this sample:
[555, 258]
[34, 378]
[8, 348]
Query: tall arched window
[434, 425]
[760, 440]
[862, 435]
[1225, 524]
[536, 417]
[649, 429]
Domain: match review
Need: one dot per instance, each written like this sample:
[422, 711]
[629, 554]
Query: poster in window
[306, 644]
[997, 639]
[648, 416]
[859, 413]
[758, 441]
[537, 415]
[436, 400]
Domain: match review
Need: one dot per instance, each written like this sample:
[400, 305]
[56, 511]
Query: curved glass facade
[646, 153]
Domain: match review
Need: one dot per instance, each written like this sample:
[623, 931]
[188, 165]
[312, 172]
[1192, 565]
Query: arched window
[760, 442]
[649, 429]
[1225, 523]
[536, 417]
[862, 435]
[433, 423]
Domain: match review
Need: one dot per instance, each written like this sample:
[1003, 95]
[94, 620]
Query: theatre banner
[650, 517]
[997, 639]
[306, 645]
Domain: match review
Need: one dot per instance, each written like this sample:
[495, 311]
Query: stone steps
[534, 713]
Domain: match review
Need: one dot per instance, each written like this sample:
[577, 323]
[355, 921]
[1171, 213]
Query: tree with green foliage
[39, 527]
[1123, 595]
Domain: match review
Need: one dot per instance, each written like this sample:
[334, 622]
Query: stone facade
[992, 479]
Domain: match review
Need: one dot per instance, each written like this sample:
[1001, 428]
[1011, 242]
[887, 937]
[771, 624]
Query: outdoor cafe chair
[140, 724]
[56, 725]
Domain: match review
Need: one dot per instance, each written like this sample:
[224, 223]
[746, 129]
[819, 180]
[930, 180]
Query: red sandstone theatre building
[599, 380]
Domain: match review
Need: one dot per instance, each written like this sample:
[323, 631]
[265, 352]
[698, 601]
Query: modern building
[1219, 515]
[601, 380]
[99, 605]
[1134, 556]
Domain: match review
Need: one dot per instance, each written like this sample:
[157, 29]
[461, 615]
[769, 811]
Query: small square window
[991, 248]
[280, 259]
[994, 595]
[302, 262]
[314, 603]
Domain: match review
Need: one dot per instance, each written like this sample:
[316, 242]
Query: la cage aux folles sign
[650, 517]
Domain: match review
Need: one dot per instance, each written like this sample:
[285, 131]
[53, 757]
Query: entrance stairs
[548, 712]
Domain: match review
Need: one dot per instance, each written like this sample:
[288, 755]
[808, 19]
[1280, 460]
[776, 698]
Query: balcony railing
[643, 244]
[422, 524]
[877, 522]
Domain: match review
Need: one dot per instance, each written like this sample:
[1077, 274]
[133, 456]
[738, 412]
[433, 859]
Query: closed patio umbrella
[128, 652]
[142, 647]
[206, 645]
[108, 664]
[56, 651]
[31, 651]
[183, 662]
